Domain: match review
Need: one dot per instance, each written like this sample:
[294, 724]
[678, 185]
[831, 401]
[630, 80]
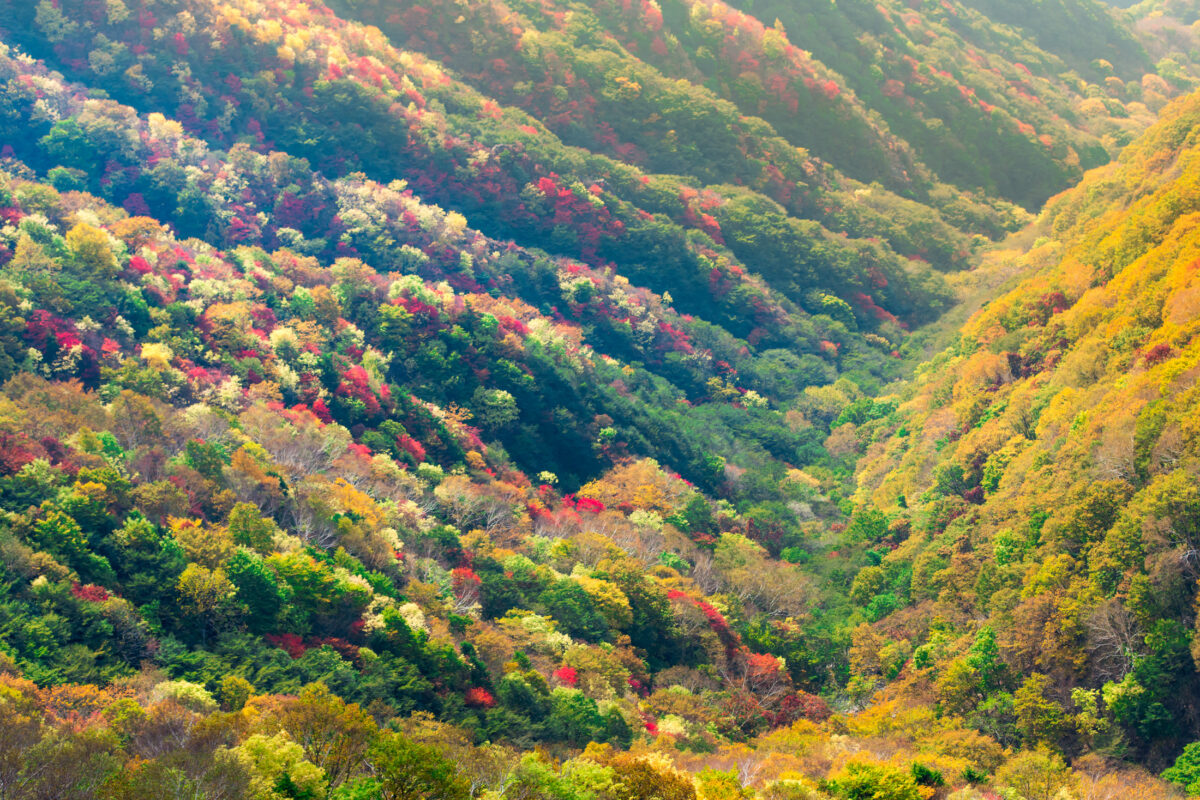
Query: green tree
[575, 610]
[1037, 774]
[278, 769]
[574, 717]
[249, 528]
[958, 686]
[59, 534]
[1186, 769]
[233, 691]
[92, 252]
[984, 657]
[869, 524]
[577, 780]
[39, 273]
[12, 326]
[863, 781]
[1039, 719]
[205, 596]
[869, 582]
[494, 408]
[147, 562]
[257, 589]
[408, 770]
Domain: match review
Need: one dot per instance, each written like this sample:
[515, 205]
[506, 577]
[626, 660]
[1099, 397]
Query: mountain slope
[472, 403]
[244, 199]
[205, 585]
[461, 150]
[980, 103]
[1046, 467]
[964, 96]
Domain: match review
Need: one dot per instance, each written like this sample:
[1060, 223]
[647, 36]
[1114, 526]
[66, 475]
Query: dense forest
[677, 400]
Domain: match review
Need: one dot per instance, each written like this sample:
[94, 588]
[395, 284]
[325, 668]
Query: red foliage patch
[478, 697]
[290, 643]
[1157, 354]
[89, 593]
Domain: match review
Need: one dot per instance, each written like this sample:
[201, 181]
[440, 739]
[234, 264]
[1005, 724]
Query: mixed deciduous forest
[638, 400]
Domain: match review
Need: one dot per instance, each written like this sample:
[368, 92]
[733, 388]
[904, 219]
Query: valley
[599, 401]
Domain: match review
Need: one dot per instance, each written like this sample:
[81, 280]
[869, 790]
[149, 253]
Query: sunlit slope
[1047, 464]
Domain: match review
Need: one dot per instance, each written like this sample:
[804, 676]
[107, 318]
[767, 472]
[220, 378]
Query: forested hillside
[1045, 468]
[517, 400]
